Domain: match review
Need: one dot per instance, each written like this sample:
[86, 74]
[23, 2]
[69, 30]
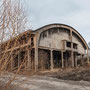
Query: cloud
[75, 13]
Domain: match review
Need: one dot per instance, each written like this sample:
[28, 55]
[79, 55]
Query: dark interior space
[20, 56]
[74, 46]
[57, 59]
[66, 57]
[79, 60]
[68, 44]
[44, 59]
[16, 61]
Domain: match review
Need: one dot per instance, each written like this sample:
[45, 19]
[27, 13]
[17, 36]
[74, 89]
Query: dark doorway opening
[57, 59]
[44, 59]
[66, 57]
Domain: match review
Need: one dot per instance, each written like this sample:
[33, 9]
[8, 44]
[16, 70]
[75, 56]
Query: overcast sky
[75, 13]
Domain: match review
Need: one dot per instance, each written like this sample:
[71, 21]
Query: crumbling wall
[81, 48]
[53, 38]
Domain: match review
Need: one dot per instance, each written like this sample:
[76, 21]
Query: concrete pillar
[76, 60]
[51, 59]
[82, 62]
[36, 52]
[29, 59]
[36, 59]
[82, 59]
[72, 58]
[72, 55]
[62, 59]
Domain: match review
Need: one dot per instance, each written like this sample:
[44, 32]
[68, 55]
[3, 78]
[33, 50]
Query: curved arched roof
[57, 25]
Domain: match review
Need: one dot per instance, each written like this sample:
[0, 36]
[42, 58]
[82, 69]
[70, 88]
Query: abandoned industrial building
[49, 47]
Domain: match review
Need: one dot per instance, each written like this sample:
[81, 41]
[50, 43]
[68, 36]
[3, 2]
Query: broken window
[32, 41]
[74, 46]
[68, 44]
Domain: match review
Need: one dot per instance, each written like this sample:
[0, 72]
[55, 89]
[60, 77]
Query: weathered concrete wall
[81, 48]
[53, 38]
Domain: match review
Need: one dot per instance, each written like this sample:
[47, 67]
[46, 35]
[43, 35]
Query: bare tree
[13, 19]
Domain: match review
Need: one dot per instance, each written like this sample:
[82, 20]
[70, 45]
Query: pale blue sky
[75, 13]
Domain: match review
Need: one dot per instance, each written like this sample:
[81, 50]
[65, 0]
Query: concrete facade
[61, 44]
[54, 37]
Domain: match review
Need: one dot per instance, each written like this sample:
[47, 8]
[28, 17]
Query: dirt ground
[41, 83]
[74, 74]
[58, 79]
